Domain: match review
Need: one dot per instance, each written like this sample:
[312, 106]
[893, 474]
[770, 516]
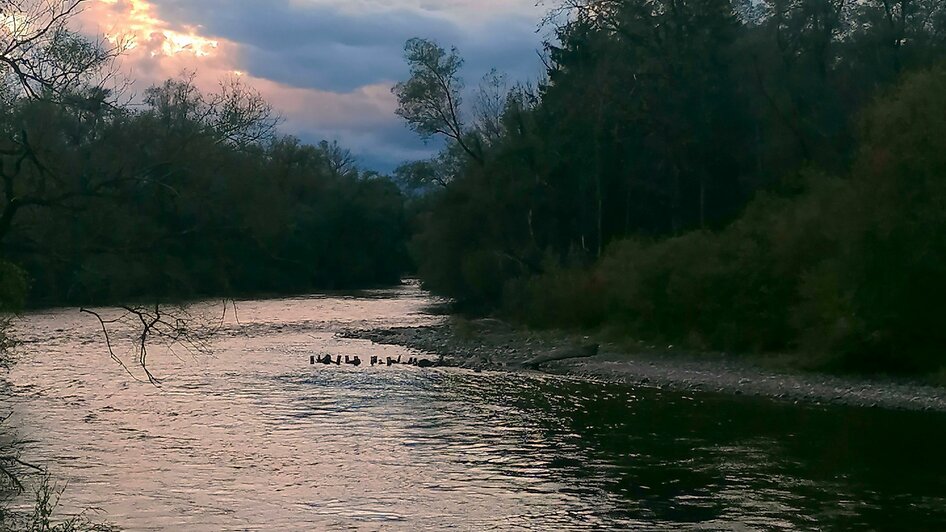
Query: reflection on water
[255, 438]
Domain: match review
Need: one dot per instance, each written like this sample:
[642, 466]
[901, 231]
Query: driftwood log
[562, 353]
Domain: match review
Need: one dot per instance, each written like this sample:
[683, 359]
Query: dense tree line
[179, 194]
[191, 195]
[732, 175]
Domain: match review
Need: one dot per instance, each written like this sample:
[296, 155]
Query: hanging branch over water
[11, 466]
[8, 466]
[174, 327]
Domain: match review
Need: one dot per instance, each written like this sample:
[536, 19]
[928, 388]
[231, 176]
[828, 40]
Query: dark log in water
[562, 353]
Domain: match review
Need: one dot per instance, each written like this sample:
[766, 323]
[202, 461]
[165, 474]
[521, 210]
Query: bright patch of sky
[326, 65]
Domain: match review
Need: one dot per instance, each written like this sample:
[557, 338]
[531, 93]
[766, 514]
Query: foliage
[430, 101]
[194, 194]
[40, 56]
[853, 267]
[672, 177]
[43, 519]
[184, 199]
[13, 288]
[894, 267]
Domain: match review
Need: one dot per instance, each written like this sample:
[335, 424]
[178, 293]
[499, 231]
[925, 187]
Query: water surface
[254, 438]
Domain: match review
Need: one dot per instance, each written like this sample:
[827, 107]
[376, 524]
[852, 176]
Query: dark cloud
[328, 47]
[318, 45]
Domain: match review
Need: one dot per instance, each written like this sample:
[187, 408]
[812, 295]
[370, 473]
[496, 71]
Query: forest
[763, 176]
[694, 270]
[731, 175]
[187, 196]
[193, 196]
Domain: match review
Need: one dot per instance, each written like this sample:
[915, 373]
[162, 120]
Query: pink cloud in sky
[326, 65]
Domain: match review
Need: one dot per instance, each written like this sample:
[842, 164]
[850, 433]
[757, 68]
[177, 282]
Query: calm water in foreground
[253, 438]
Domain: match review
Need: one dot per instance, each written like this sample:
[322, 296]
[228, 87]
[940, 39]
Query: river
[254, 438]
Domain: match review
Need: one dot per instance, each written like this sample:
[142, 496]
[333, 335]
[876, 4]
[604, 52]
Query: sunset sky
[326, 65]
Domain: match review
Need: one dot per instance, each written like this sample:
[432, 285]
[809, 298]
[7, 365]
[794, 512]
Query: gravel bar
[492, 345]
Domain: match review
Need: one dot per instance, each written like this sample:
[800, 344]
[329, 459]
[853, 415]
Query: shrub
[13, 287]
[562, 297]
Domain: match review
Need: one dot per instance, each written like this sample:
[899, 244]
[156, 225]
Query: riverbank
[494, 345]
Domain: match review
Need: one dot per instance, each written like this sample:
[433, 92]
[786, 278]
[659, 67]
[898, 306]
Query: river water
[254, 438]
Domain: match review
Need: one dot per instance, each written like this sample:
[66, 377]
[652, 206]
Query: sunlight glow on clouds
[326, 65]
[138, 25]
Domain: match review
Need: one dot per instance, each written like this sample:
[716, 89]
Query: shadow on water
[674, 459]
[579, 453]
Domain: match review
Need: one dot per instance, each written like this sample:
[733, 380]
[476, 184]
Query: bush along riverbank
[849, 269]
[701, 195]
[488, 345]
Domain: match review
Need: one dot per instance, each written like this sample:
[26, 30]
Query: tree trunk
[702, 201]
[599, 171]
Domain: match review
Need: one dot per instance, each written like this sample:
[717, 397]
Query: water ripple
[254, 438]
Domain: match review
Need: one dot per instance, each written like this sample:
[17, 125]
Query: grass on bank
[43, 517]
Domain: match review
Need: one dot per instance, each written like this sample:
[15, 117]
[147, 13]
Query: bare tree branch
[236, 114]
[173, 326]
[43, 57]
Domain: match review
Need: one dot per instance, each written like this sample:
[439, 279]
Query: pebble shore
[493, 345]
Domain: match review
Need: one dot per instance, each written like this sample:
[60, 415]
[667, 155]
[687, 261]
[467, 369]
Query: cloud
[327, 65]
[335, 46]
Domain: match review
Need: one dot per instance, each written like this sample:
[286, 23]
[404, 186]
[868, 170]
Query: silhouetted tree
[430, 101]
